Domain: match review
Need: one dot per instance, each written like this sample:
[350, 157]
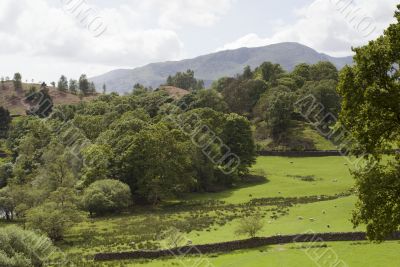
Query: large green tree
[158, 163]
[185, 80]
[371, 113]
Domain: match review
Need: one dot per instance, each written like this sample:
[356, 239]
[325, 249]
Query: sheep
[300, 218]
[312, 219]
[323, 212]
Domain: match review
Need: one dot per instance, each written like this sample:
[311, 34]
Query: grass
[331, 173]
[301, 136]
[215, 217]
[361, 254]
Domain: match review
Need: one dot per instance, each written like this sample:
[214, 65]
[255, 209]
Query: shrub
[20, 248]
[106, 196]
[250, 226]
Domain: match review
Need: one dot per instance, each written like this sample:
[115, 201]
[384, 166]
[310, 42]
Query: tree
[276, 107]
[174, 237]
[104, 89]
[371, 114]
[106, 196]
[5, 120]
[23, 248]
[13, 197]
[17, 81]
[56, 214]
[41, 103]
[241, 96]
[247, 73]
[209, 99]
[84, 85]
[238, 137]
[6, 170]
[53, 84]
[92, 88]
[220, 84]
[62, 84]
[269, 72]
[324, 70]
[250, 226]
[98, 160]
[325, 93]
[56, 170]
[303, 70]
[7, 202]
[73, 86]
[150, 169]
[185, 80]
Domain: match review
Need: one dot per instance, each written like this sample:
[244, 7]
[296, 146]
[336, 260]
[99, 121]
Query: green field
[214, 218]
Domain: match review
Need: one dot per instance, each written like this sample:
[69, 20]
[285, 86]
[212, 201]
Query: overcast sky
[43, 39]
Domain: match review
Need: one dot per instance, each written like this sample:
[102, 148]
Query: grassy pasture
[209, 218]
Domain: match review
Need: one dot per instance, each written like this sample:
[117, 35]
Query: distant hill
[213, 66]
[14, 100]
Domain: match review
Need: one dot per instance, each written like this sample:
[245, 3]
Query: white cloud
[328, 26]
[137, 32]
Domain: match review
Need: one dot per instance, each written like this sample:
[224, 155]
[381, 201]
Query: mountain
[214, 66]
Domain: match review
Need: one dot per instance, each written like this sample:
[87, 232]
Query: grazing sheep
[300, 218]
[312, 219]
[335, 181]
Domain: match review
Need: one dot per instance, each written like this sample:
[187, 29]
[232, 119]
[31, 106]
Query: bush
[250, 226]
[20, 248]
[53, 219]
[106, 196]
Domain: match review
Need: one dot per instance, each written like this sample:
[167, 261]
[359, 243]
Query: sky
[43, 39]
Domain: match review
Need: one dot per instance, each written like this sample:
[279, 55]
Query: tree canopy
[371, 114]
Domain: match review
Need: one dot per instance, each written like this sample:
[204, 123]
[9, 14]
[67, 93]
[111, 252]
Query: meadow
[315, 195]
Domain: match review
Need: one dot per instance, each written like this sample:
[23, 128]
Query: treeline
[266, 95]
[91, 156]
[82, 86]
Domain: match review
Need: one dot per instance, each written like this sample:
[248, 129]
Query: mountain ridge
[216, 65]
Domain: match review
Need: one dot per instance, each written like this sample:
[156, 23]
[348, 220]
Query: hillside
[13, 100]
[213, 66]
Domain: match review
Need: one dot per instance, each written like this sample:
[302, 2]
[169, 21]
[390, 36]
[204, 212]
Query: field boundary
[238, 245]
[312, 153]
